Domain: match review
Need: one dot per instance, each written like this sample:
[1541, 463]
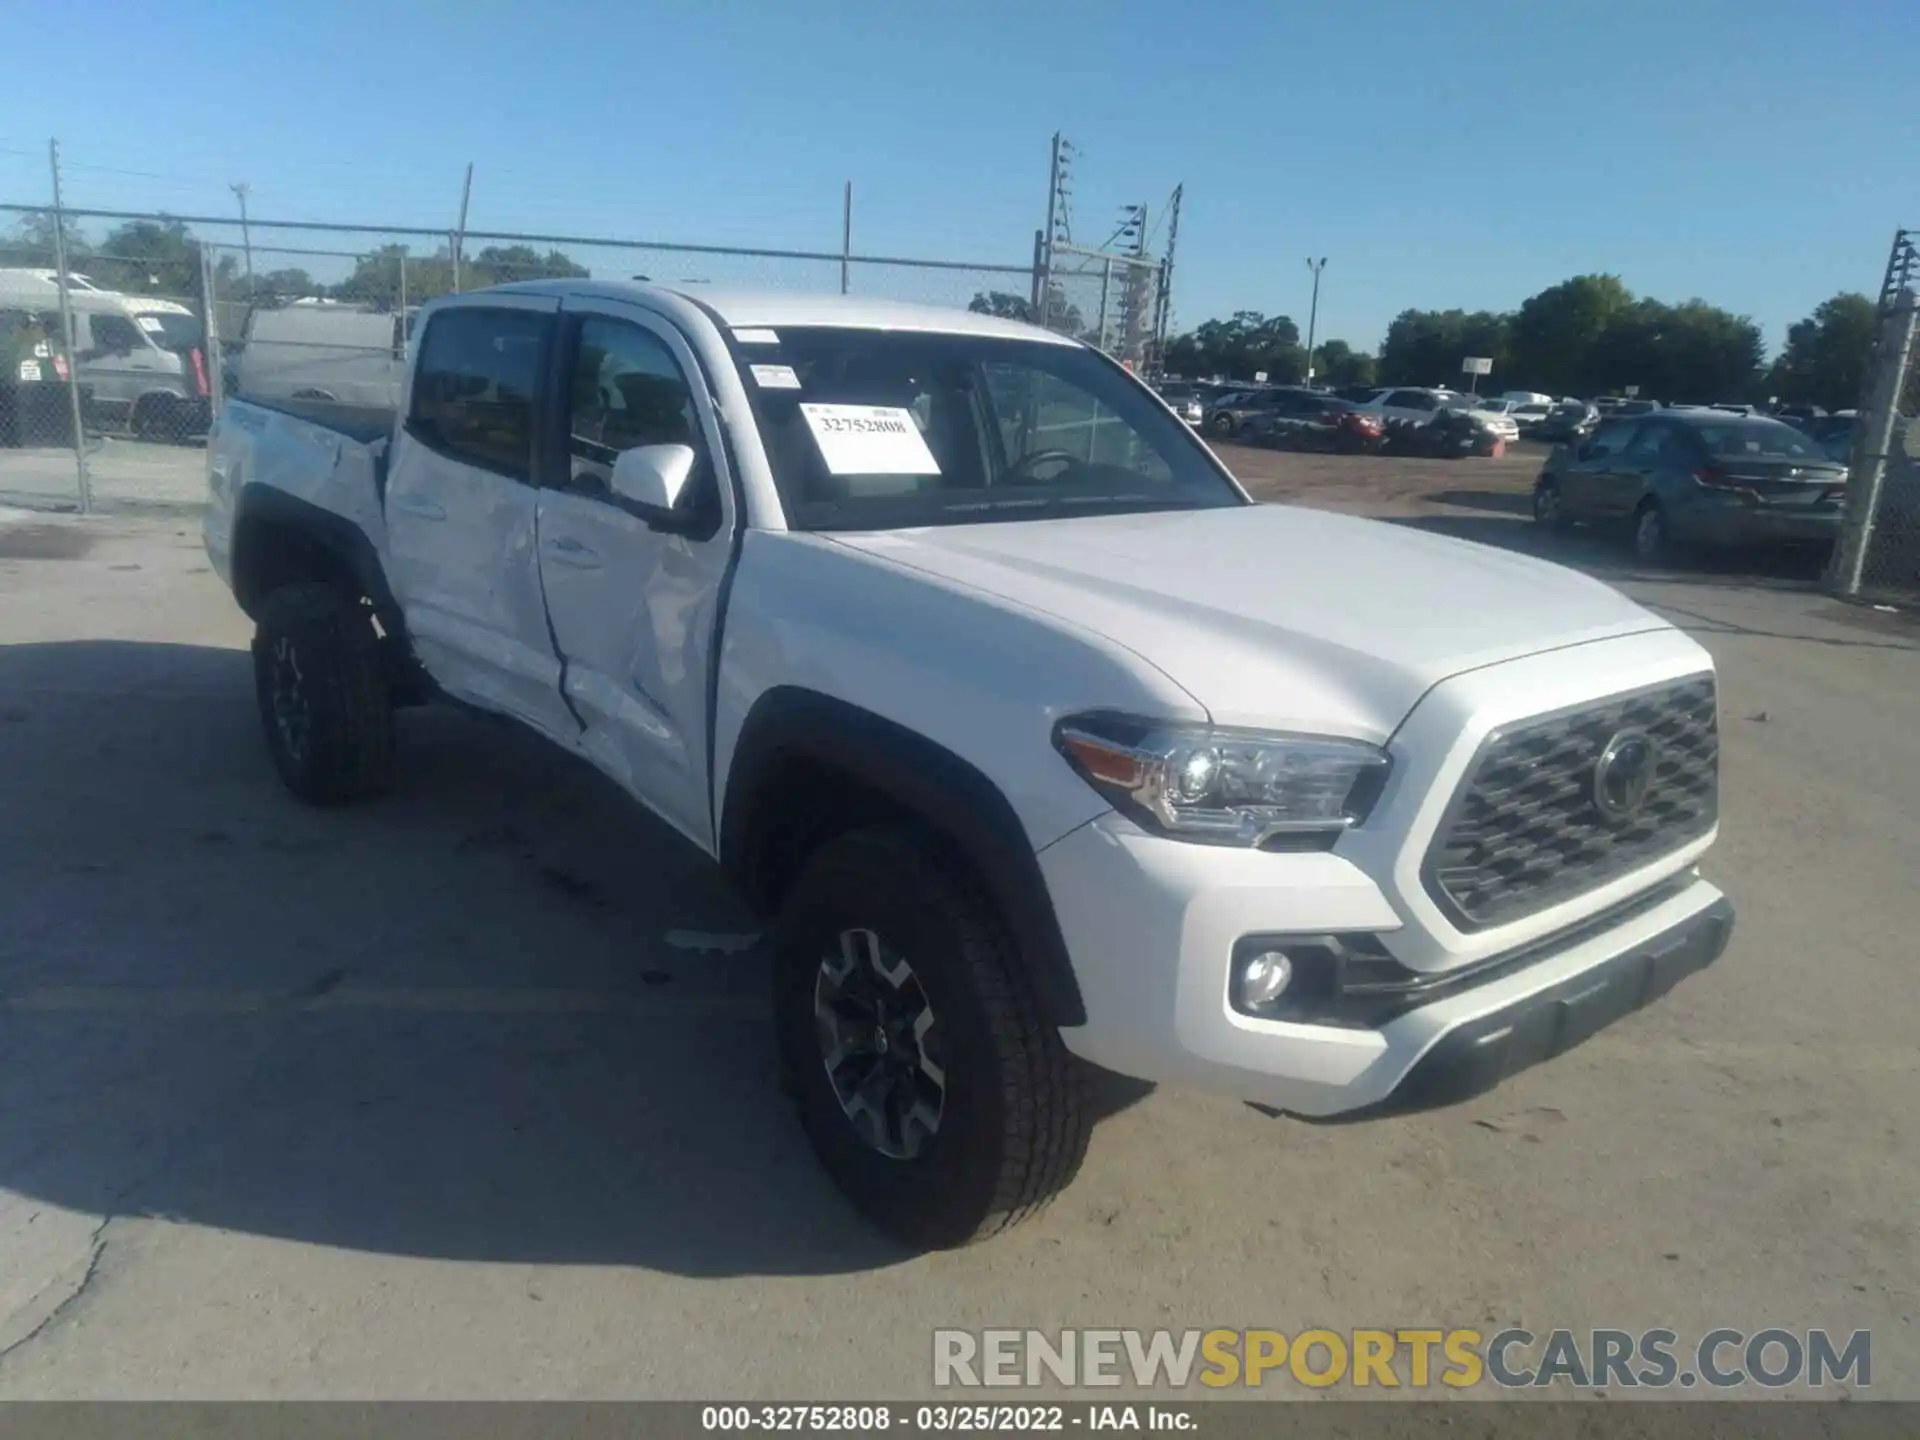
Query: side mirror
[653, 476]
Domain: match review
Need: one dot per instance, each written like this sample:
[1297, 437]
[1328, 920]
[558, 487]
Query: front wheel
[324, 703]
[1223, 426]
[1549, 507]
[931, 1087]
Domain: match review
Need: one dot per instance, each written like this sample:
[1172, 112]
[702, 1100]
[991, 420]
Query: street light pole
[1313, 312]
[241, 190]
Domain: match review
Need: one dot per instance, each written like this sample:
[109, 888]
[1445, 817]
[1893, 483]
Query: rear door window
[474, 387]
[1611, 439]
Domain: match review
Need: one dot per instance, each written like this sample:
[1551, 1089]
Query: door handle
[425, 509]
[568, 551]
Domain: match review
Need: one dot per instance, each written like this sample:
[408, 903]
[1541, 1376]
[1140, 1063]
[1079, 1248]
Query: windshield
[1760, 439]
[870, 429]
[170, 330]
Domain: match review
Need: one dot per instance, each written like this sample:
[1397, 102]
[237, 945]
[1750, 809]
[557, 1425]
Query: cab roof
[770, 309]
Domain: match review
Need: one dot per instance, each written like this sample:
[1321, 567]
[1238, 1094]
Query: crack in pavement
[97, 1247]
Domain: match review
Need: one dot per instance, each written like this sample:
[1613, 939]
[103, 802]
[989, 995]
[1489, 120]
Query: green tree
[1425, 347]
[1240, 347]
[1336, 363]
[31, 247]
[1002, 303]
[1825, 359]
[1693, 352]
[148, 257]
[1554, 336]
[498, 265]
[384, 275]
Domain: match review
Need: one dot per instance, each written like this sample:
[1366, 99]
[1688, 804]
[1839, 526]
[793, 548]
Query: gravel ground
[463, 1094]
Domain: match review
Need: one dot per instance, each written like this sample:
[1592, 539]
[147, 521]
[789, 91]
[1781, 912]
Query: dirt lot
[466, 1093]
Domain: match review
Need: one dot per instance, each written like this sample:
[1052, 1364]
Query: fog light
[1264, 978]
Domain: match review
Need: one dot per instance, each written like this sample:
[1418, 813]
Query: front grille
[1525, 833]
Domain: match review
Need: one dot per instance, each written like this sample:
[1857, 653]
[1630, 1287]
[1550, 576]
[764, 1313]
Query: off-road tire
[1015, 1118]
[348, 748]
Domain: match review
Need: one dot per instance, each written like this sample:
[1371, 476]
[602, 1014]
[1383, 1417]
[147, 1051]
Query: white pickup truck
[1035, 738]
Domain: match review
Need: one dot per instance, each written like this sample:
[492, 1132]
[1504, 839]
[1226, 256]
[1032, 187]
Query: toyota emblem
[1624, 774]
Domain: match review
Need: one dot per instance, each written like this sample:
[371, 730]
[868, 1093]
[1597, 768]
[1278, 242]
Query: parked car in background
[1530, 414]
[1233, 414]
[1833, 434]
[1568, 421]
[1409, 405]
[1184, 400]
[1303, 420]
[1450, 435]
[1526, 397]
[1696, 477]
[1800, 414]
[143, 360]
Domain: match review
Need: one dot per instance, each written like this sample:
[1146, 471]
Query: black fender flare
[323, 532]
[325, 544]
[918, 776]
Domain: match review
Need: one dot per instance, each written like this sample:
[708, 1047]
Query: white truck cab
[1035, 739]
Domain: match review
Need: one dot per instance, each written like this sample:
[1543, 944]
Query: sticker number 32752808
[869, 440]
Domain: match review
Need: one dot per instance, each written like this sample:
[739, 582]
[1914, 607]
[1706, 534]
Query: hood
[1276, 617]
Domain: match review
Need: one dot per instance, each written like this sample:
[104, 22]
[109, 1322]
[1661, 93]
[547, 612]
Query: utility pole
[1043, 278]
[241, 190]
[846, 236]
[1313, 311]
[460, 230]
[65, 287]
[1163, 302]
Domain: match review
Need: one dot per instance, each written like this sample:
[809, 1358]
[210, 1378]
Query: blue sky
[1757, 153]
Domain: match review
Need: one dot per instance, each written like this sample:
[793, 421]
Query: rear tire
[323, 696]
[1550, 508]
[887, 910]
[1652, 542]
[157, 419]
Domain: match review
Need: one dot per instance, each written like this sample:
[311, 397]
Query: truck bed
[329, 456]
[363, 424]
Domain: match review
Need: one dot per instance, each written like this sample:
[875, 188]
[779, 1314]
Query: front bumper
[1151, 924]
[1478, 1054]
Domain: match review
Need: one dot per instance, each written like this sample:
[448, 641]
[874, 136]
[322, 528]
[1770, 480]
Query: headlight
[1224, 787]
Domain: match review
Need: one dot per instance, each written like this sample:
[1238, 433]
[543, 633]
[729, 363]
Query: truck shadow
[500, 1015]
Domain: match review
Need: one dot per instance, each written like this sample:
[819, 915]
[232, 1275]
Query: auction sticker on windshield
[869, 440]
[775, 377]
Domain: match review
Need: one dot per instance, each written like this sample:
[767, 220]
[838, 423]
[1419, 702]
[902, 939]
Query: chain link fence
[105, 380]
[1878, 557]
[1109, 300]
[169, 315]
